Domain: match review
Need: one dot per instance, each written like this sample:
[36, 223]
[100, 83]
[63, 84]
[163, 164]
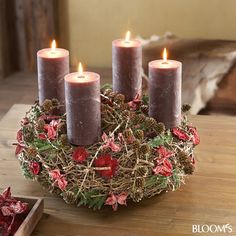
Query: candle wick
[80, 76]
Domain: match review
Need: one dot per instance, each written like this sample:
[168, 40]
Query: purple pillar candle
[126, 67]
[83, 108]
[165, 81]
[53, 65]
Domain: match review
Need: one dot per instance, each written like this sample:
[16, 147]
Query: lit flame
[53, 45]
[80, 69]
[165, 55]
[127, 36]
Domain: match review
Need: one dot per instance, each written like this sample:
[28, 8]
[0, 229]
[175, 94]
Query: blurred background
[201, 34]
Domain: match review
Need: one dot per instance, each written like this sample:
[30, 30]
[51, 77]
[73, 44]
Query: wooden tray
[36, 206]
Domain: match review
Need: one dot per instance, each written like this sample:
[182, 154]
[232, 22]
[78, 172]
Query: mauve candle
[53, 65]
[165, 81]
[83, 107]
[126, 67]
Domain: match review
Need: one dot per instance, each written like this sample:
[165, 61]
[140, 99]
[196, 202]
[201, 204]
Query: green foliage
[161, 140]
[92, 199]
[26, 171]
[106, 86]
[157, 180]
[145, 99]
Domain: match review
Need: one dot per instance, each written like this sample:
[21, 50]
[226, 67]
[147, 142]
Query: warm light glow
[53, 45]
[127, 36]
[164, 55]
[80, 69]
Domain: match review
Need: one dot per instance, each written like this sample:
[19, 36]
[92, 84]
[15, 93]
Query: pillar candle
[165, 79]
[82, 96]
[53, 65]
[126, 67]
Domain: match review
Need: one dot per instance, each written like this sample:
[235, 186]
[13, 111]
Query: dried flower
[106, 160]
[194, 135]
[113, 200]
[60, 180]
[164, 169]
[109, 142]
[135, 104]
[80, 154]
[180, 134]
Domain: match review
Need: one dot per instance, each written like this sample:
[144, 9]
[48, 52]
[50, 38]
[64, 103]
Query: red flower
[62, 183]
[164, 169]
[110, 143]
[60, 180]
[51, 132]
[80, 154]
[25, 121]
[34, 167]
[195, 137]
[106, 161]
[42, 136]
[135, 104]
[164, 153]
[113, 200]
[20, 145]
[180, 134]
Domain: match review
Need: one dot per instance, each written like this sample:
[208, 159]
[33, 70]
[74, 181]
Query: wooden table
[209, 197]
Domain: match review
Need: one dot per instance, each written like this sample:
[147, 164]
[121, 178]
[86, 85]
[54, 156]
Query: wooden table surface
[209, 196]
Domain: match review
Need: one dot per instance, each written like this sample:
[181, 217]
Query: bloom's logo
[227, 228]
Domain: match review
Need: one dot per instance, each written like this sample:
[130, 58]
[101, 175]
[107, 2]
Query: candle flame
[165, 55]
[53, 45]
[80, 69]
[127, 36]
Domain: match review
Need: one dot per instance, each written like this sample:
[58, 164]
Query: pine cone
[144, 109]
[69, 197]
[183, 158]
[159, 128]
[150, 123]
[32, 151]
[139, 183]
[144, 149]
[119, 98]
[28, 133]
[137, 195]
[124, 106]
[140, 118]
[55, 102]
[126, 113]
[107, 92]
[136, 144]
[141, 171]
[63, 140]
[62, 128]
[189, 169]
[40, 125]
[139, 134]
[47, 105]
[186, 107]
[128, 133]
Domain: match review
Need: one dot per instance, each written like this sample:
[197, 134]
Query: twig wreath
[136, 158]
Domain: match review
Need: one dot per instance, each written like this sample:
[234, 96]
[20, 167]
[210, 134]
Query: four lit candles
[80, 91]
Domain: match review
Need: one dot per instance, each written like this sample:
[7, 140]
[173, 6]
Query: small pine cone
[137, 195]
[119, 98]
[159, 128]
[150, 122]
[32, 151]
[144, 148]
[63, 140]
[124, 106]
[139, 183]
[126, 113]
[29, 137]
[136, 144]
[144, 109]
[40, 125]
[189, 169]
[112, 94]
[69, 197]
[139, 134]
[61, 128]
[140, 118]
[183, 158]
[186, 107]
[142, 171]
[55, 102]
[47, 105]
[128, 133]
